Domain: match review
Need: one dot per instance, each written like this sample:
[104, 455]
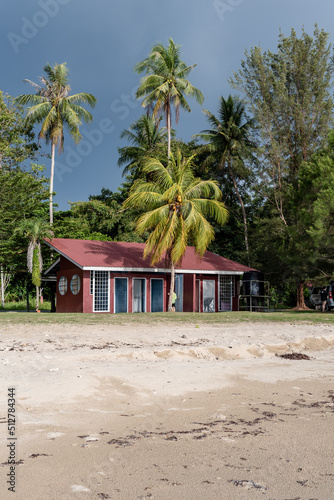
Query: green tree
[302, 251]
[34, 230]
[16, 147]
[22, 195]
[289, 94]
[124, 221]
[229, 145]
[54, 108]
[146, 140]
[87, 220]
[176, 205]
[166, 84]
[16, 140]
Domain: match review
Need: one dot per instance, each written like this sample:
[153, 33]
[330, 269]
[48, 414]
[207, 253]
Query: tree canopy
[290, 95]
[54, 108]
[166, 84]
[175, 207]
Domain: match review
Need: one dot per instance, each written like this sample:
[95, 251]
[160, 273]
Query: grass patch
[193, 319]
[22, 305]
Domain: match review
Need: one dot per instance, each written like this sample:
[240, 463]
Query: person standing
[174, 299]
[323, 297]
[173, 302]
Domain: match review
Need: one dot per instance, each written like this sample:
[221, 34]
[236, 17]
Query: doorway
[157, 295]
[208, 295]
[139, 295]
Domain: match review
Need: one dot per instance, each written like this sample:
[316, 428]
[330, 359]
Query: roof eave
[63, 254]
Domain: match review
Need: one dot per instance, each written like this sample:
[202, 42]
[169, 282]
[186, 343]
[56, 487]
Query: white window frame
[221, 278]
[91, 282]
[108, 310]
[133, 292]
[214, 297]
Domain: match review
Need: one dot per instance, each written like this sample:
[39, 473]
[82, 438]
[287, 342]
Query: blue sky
[101, 41]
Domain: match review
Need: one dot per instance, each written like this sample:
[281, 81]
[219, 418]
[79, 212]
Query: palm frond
[82, 97]
[175, 206]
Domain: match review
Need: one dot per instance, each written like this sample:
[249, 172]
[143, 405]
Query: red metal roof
[111, 254]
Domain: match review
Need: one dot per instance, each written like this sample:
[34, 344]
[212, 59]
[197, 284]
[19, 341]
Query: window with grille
[101, 291]
[139, 295]
[75, 284]
[226, 292]
[62, 285]
[91, 291]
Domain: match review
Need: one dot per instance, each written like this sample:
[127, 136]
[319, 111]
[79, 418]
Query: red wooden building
[112, 277]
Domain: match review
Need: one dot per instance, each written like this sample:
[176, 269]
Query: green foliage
[54, 108]
[228, 147]
[22, 195]
[102, 218]
[22, 189]
[166, 84]
[146, 140]
[289, 94]
[16, 140]
[36, 274]
[33, 230]
[21, 305]
[176, 205]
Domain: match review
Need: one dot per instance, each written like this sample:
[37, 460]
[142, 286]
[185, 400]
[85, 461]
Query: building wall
[188, 293]
[83, 300]
[87, 298]
[235, 300]
[69, 302]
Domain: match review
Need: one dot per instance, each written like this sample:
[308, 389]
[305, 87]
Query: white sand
[134, 412]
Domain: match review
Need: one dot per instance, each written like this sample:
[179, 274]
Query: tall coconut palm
[166, 84]
[175, 206]
[34, 230]
[147, 140]
[54, 108]
[229, 144]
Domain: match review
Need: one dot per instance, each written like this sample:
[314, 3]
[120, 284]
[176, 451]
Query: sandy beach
[169, 412]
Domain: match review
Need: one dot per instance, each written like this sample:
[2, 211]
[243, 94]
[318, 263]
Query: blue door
[157, 295]
[179, 292]
[121, 295]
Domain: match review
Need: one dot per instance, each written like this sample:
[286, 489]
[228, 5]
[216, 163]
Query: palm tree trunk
[53, 153]
[27, 295]
[168, 119]
[37, 298]
[172, 286]
[243, 213]
[2, 288]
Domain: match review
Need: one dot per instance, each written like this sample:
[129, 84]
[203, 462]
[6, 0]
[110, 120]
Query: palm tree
[147, 141]
[229, 144]
[165, 84]
[54, 108]
[175, 205]
[34, 230]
